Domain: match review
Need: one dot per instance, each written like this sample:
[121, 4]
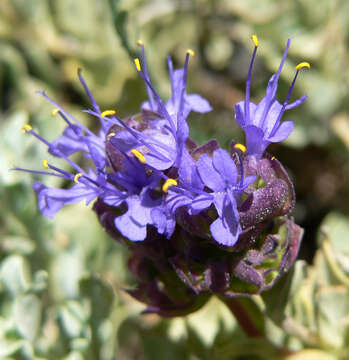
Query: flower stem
[243, 317]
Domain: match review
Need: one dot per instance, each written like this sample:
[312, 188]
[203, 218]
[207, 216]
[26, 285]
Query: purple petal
[209, 175]
[296, 103]
[201, 202]
[198, 103]
[130, 229]
[51, 200]
[225, 165]
[165, 224]
[255, 142]
[266, 115]
[225, 234]
[283, 132]
[240, 113]
[70, 142]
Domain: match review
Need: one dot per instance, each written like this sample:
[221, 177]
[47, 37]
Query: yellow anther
[240, 147]
[140, 43]
[77, 177]
[108, 113]
[168, 183]
[26, 128]
[255, 39]
[45, 164]
[302, 65]
[138, 155]
[191, 52]
[54, 112]
[138, 64]
[111, 135]
[272, 158]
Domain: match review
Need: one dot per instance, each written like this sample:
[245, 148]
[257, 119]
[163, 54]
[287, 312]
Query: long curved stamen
[170, 70]
[29, 129]
[248, 81]
[162, 109]
[146, 73]
[87, 90]
[38, 172]
[184, 85]
[272, 93]
[75, 128]
[300, 66]
[69, 116]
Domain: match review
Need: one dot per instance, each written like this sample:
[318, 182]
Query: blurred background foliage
[61, 281]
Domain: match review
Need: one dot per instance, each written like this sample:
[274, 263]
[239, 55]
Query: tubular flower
[198, 219]
[262, 122]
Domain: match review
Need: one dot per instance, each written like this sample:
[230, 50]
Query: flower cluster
[198, 219]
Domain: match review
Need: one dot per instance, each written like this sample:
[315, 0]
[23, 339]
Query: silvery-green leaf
[17, 244]
[40, 281]
[73, 316]
[99, 294]
[9, 347]
[336, 226]
[15, 274]
[27, 315]
[80, 344]
[66, 270]
[333, 305]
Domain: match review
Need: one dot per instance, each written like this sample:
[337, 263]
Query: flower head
[198, 219]
[262, 122]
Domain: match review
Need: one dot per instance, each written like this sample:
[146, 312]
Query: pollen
[140, 43]
[191, 52]
[139, 156]
[138, 64]
[111, 135]
[25, 128]
[108, 113]
[302, 65]
[54, 112]
[255, 39]
[272, 158]
[240, 147]
[77, 177]
[168, 183]
[45, 164]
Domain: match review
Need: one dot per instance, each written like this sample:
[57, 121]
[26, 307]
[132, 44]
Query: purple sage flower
[262, 122]
[198, 220]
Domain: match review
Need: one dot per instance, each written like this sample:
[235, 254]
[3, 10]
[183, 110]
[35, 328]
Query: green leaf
[100, 296]
[27, 316]
[15, 274]
[336, 226]
[278, 297]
